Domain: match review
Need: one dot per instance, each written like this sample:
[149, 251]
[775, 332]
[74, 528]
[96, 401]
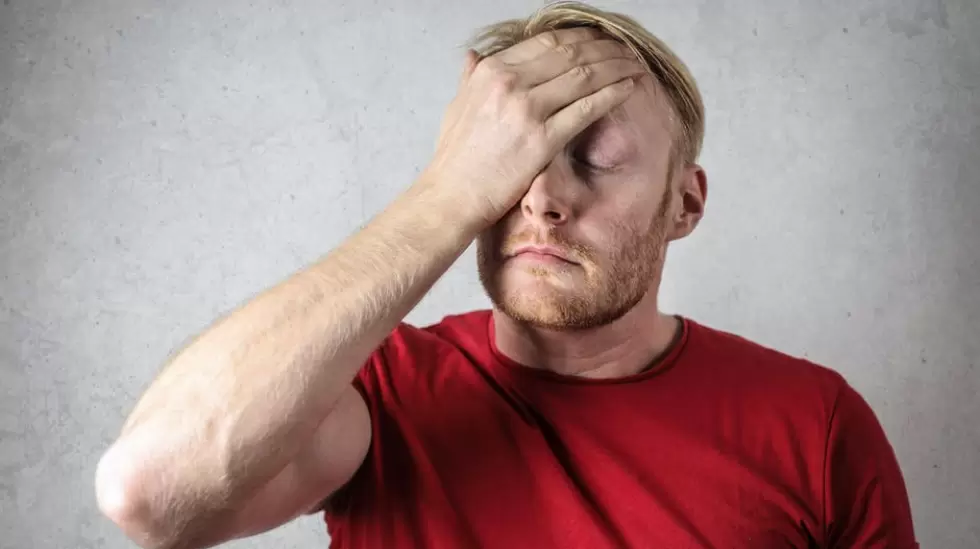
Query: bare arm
[241, 401]
[255, 420]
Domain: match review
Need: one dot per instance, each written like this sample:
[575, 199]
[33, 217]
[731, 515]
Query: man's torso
[720, 444]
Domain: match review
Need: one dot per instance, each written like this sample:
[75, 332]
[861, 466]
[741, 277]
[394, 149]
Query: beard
[615, 279]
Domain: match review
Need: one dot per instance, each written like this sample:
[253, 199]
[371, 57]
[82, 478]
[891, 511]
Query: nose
[547, 202]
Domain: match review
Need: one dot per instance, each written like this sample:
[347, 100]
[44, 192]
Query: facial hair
[614, 281]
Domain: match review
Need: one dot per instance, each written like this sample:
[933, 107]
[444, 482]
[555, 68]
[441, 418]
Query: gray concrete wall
[163, 161]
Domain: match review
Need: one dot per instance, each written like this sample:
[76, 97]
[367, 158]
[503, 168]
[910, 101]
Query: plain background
[163, 161]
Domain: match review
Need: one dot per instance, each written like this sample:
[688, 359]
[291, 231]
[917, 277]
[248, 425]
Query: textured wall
[162, 161]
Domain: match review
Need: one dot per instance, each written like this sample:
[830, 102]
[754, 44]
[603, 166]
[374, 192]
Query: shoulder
[461, 331]
[413, 353]
[763, 376]
[735, 355]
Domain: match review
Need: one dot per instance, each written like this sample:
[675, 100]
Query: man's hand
[516, 110]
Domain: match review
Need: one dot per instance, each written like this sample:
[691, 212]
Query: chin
[554, 299]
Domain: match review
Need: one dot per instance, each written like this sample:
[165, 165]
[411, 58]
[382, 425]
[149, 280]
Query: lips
[543, 253]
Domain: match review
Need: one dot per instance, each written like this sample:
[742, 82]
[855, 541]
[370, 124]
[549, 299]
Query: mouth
[543, 254]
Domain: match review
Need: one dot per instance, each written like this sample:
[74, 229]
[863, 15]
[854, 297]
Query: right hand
[516, 110]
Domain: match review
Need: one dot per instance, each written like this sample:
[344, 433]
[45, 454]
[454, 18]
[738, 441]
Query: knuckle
[548, 39]
[482, 70]
[586, 106]
[503, 82]
[522, 109]
[583, 72]
[568, 52]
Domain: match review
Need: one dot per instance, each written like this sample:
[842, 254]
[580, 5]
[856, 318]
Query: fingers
[544, 42]
[579, 115]
[580, 82]
[559, 60]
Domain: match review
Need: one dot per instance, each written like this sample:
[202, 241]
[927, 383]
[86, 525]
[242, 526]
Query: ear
[691, 197]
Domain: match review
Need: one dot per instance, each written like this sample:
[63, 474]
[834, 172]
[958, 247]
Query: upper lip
[544, 250]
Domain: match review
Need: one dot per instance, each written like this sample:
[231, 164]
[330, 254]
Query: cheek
[487, 251]
[635, 206]
[494, 237]
[606, 242]
[613, 225]
[505, 228]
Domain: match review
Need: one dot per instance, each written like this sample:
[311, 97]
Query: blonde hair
[665, 66]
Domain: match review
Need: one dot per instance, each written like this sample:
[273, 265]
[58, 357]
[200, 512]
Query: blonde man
[572, 414]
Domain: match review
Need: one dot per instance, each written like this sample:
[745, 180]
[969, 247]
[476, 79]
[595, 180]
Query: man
[574, 414]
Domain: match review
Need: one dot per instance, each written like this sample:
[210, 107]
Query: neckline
[665, 362]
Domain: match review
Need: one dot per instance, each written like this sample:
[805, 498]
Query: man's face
[603, 208]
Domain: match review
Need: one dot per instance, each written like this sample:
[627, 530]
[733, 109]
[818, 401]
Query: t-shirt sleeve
[366, 383]
[376, 371]
[866, 502]
[362, 381]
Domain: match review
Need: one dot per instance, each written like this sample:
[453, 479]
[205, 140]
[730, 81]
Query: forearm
[235, 405]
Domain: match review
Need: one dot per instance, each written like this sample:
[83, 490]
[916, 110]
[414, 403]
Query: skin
[255, 420]
[611, 201]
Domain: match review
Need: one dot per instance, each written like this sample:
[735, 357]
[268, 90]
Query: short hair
[664, 65]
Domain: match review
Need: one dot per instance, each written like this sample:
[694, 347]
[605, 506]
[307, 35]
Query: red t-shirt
[722, 444]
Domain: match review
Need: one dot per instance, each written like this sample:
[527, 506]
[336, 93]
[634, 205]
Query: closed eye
[590, 165]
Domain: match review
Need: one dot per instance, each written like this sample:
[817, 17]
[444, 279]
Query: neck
[623, 347]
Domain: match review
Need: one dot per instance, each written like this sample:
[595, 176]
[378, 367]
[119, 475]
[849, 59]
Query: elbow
[126, 496]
